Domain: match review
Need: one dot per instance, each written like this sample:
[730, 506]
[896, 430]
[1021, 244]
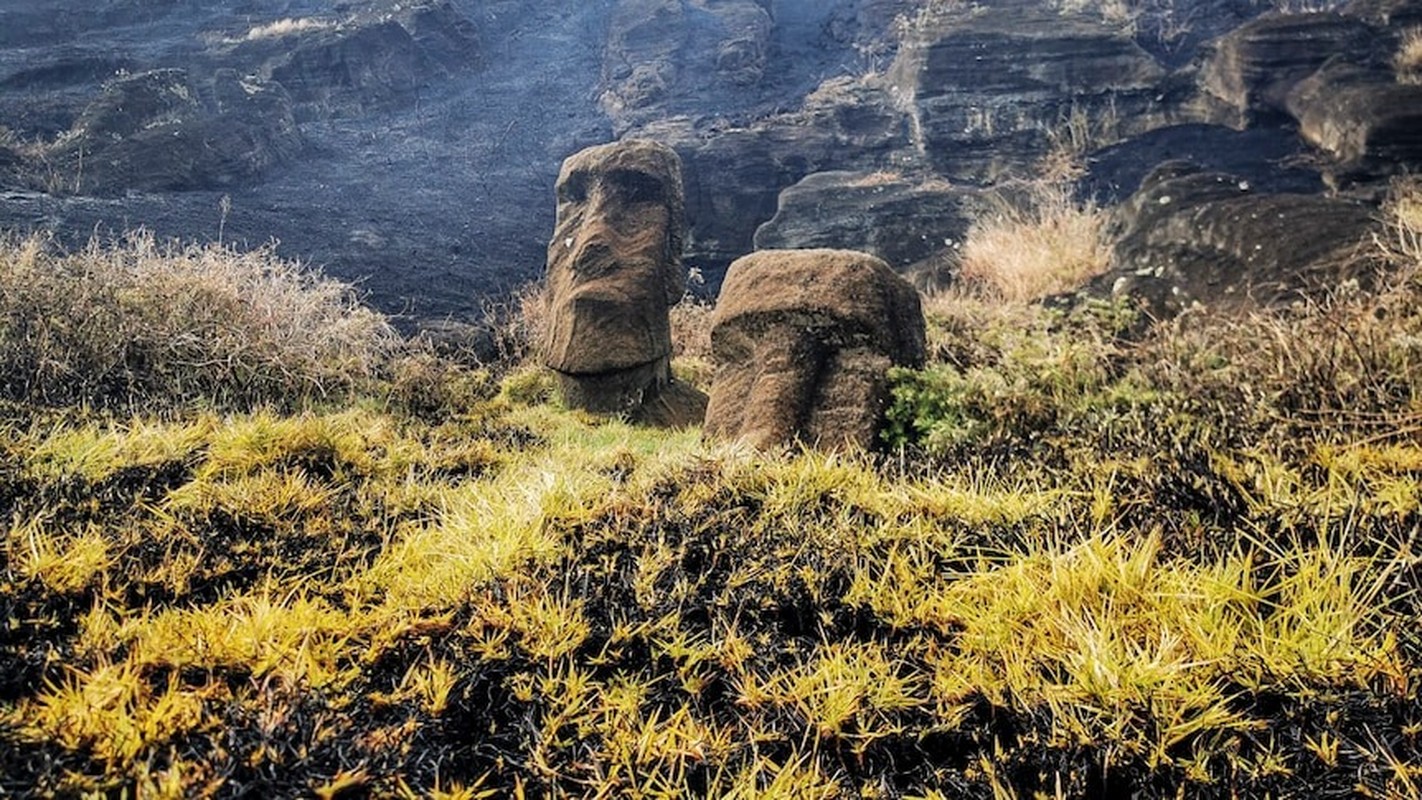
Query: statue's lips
[600, 329]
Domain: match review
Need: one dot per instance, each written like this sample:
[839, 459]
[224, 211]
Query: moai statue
[803, 341]
[614, 269]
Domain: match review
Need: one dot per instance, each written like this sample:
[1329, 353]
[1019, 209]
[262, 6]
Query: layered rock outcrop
[1190, 236]
[158, 131]
[904, 221]
[985, 89]
[803, 341]
[666, 57]
[1367, 122]
[346, 68]
[614, 269]
[734, 176]
[1252, 69]
[462, 111]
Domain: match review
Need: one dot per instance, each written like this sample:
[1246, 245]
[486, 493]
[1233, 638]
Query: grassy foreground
[1099, 563]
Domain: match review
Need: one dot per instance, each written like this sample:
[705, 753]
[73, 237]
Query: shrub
[139, 323]
[1011, 374]
[517, 324]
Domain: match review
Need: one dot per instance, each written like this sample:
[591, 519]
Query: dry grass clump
[286, 27]
[1040, 242]
[1408, 60]
[1020, 378]
[142, 323]
[518, 322]
[691, 341]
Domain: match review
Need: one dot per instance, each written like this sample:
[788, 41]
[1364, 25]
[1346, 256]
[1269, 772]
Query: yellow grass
[1042, 243]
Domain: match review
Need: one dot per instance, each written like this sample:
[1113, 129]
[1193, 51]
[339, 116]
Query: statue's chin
[602, 332]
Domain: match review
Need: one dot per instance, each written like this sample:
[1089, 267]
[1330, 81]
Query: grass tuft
[1042, 243]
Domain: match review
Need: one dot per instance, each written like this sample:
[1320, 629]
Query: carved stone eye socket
[637, 187]
[574, 189]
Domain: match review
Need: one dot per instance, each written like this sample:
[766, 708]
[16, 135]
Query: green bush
[1013, 374]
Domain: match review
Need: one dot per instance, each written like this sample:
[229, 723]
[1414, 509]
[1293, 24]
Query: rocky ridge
[414, 146]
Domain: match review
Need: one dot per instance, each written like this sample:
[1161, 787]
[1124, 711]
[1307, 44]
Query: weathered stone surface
[734, 175]
[1193, 236]
[981, 109]
[614, 268]
[446, 36]
[664, 57]
[1269, 159]
[1397, 15]
[1252, 69]
[427, 181]
[156, 131]
[1363, 118]
[867, 23]
[361, 64]
[803, 341]
[904, 221]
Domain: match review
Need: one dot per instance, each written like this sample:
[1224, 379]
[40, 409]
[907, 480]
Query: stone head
[803, 341]
[614, 263]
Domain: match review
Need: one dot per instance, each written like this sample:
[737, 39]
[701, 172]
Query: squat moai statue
[803, 341]
[614, 270]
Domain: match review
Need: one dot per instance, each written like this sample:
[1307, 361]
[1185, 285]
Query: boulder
[1368, 123]
[614, 270]
[1190, 236]
[1250, 72]
[982, 108]
[156, 131]
[904, 221]
[802, 342]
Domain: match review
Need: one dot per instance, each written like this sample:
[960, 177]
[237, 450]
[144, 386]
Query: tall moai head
[614, 269]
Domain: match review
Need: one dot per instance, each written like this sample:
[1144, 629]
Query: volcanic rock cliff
[414, 146]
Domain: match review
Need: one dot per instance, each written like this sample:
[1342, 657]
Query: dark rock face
[156, 131]
[1367, 122]
[1252, 69]
[614, 268]
[447, 38]
[981, 108]
[902, 221]
[734, 177]
[1269, 159]
[341, 69]
[411, 145]
[663, 56]
[802, 342]
[1190, 235]
[1394, 14]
